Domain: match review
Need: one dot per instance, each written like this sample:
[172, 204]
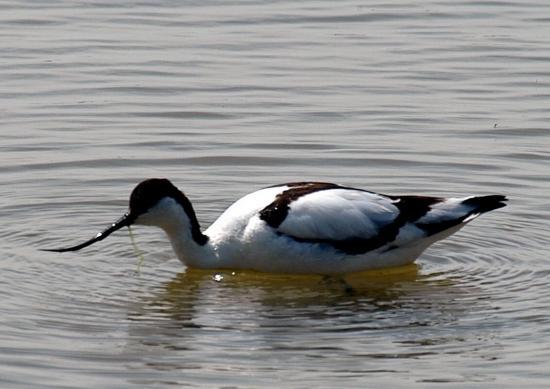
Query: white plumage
[307, 227]
[338, 214]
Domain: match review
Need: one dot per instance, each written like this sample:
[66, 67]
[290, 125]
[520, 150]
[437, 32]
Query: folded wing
[356, 221]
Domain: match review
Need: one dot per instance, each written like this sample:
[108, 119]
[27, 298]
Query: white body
[240, 239]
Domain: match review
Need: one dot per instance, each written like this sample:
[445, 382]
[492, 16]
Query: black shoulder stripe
[276, 212]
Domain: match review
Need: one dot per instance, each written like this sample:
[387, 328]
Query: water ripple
[227, 97]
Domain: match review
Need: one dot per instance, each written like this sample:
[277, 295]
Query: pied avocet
[303, 227]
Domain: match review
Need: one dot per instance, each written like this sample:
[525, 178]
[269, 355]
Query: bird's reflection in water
[204, 325]
[193, 291]
[196, 304]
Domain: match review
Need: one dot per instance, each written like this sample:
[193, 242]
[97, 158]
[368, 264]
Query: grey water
[444, 98]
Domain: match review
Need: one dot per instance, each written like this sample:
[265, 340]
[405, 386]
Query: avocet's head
[153, 202]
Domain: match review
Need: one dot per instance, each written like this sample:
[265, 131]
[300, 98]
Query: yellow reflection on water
[364, 281]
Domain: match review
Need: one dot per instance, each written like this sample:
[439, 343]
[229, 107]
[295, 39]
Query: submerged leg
[339, 281]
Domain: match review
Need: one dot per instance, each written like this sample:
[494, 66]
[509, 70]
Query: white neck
[173, 219]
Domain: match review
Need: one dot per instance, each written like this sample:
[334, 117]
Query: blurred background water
[224, 97]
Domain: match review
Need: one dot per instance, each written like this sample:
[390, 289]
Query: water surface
[442, 98]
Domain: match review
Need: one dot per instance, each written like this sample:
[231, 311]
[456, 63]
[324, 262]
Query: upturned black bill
[124, 221]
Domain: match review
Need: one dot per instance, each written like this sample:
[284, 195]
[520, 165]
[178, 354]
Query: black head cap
[149, 192]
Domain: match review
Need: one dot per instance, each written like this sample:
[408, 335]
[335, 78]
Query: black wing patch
[276, 212]
[479, 204]
[411, 208]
